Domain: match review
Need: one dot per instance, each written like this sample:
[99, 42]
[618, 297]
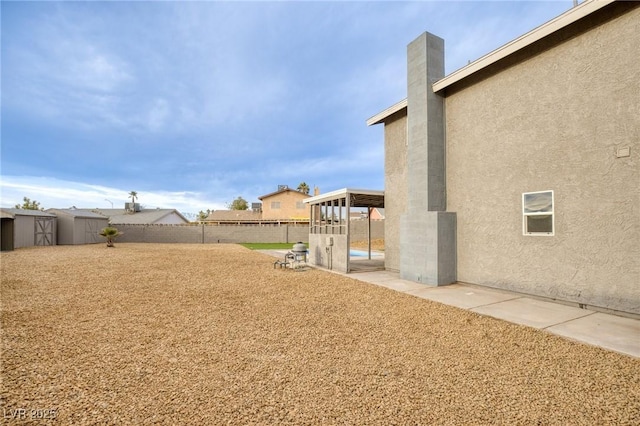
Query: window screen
[537, 211]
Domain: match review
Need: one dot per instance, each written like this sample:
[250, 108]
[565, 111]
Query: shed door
[43, 231]
[91, 230]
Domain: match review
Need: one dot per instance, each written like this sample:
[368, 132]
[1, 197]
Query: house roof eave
[569, 17]
[383, 115]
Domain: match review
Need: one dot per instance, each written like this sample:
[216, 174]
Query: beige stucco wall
[395, 185]
[288, 210]
[553, 122]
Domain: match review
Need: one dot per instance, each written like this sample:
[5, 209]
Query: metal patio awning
[356, 197]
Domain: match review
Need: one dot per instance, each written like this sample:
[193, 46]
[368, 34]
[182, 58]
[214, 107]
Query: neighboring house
[377, 213]
[233, 217]
[77, 226]
[285, 204]
[143, 216]
[357, 215]
[521, 171]
[27, 228]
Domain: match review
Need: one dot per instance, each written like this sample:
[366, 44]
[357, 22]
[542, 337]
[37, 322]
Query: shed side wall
[24, 231]
[66, 230]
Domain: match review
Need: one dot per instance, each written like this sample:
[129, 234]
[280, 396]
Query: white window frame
[275, 205]
[300, 205]
[546, 212]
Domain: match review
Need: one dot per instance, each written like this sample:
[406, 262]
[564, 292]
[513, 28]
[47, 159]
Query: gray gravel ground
[212, 334]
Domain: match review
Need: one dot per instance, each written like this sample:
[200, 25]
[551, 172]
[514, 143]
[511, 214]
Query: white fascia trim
[380, 117]
[340, 193]
[572, 15]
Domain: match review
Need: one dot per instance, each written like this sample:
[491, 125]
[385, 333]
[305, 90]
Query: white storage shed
[76, 226]
[30, 228]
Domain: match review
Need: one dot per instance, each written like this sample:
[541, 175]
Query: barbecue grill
[294, 259]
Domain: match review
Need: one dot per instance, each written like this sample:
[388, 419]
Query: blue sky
[192, 104]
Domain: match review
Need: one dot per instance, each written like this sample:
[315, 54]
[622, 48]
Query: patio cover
[356, 198]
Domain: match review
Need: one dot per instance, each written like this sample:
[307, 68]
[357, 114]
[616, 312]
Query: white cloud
[56, 193]
[220, 98]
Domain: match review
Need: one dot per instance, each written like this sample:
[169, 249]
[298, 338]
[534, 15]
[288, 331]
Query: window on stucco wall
[275, 204]
[537, 212]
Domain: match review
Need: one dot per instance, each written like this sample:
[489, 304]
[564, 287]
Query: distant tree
[29, 205]
[202, 215]
[110, 234]
[133, 195]
[238, 204]
[303, 187]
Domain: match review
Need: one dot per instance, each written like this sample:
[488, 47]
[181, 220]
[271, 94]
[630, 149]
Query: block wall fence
[213, 234]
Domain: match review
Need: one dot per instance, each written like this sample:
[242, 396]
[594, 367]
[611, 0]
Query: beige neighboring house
[142, 216]
[521, 170]
[285, 204]
[377, 213]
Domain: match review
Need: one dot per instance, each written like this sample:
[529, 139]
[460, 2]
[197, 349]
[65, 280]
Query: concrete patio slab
[375, 277]
[462, 296]
[612, 332]
[388, 280]
[615, 333]
[532, 312]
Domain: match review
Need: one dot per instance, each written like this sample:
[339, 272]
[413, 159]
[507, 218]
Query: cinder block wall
[359, 230]
[212, 234]
[208, 234]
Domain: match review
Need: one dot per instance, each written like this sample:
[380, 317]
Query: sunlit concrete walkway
[612, 332]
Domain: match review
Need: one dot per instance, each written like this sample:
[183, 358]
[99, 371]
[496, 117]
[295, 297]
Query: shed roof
[81, 213]
[357, 197]
[25, 212]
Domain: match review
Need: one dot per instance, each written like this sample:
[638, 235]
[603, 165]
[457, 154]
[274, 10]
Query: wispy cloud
[211, 100]
[51, 192]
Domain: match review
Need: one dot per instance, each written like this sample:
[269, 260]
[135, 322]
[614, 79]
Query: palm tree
[303, 187]
[110, 234]
[133, 195]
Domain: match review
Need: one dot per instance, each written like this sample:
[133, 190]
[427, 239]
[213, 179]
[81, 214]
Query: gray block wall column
[427, 230]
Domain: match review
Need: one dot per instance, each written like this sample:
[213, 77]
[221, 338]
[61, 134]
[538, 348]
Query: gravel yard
[213, 334]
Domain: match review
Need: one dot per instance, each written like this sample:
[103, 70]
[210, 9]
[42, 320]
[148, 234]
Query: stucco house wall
[554, 122]
[556, 109]
[395, 183]
[291, 206]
